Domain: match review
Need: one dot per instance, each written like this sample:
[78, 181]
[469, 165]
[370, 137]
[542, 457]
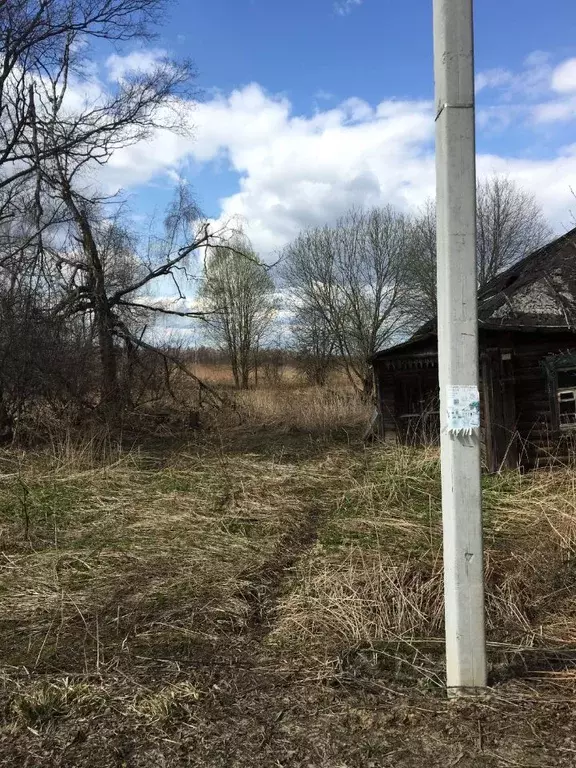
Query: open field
[269, 593]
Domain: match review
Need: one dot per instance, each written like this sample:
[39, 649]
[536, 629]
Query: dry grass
[374, 580]
[220, 375]
[140, 555]
[204, 593]
[215, 375]
[310, 409]
[286, 377]
[156, 554]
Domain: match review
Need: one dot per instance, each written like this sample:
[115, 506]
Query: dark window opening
[567, 379]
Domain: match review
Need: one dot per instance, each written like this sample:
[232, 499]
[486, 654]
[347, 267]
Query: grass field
[268, 592]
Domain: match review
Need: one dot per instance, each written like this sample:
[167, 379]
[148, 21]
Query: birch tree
[238, 297]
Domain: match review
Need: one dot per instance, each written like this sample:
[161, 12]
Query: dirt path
[268, 583]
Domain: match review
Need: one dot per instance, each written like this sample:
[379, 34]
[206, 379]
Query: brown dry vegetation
[269, 593]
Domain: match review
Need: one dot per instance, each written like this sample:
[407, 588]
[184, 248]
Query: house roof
[537, 293]
[556, 259]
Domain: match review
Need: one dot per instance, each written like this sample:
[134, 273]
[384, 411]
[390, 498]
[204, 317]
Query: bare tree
[238, 293]
[72, 277]
[349, 276]
[107, 276]
[44, 45]
[313, 344]
[57, 125]
[510, 225]
[97, 273]
[420, 272]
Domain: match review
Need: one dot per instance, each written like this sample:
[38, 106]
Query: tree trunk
[367, 386]
[110, 391]
[243, 364]
[245, 376]
[6, 423]
[235, 371]
[256, 356]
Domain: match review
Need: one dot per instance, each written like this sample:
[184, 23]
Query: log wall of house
[386, 400]
[398, 385]
[540, 439]
[515, 395]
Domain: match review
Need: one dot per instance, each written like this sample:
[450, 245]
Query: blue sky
[378, 49]
[310, 107]
[318, 52]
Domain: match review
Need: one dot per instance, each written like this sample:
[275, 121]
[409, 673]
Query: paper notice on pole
[463, 406]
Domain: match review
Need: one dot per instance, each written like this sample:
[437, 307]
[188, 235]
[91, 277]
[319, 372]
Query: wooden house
[527, 347]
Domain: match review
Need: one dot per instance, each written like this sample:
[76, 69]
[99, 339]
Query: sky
[310, 107]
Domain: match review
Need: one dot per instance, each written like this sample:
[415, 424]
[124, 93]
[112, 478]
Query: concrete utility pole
[458, 346]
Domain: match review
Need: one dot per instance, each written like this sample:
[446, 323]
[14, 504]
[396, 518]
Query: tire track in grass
[267, 583]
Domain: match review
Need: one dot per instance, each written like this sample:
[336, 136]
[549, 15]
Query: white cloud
[531, 82]
[295, 170]
[549, 180]
[564, 77]
[300, 171]
[493, 78]
[323, 95]
[560, 104]
[563, 106]
[539, 93]
[494, 119]
[136, 62]
[555, 111]
[344, 7]
[141, 163]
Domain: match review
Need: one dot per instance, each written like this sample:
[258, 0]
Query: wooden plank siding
[498, 395]
[399, 390]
